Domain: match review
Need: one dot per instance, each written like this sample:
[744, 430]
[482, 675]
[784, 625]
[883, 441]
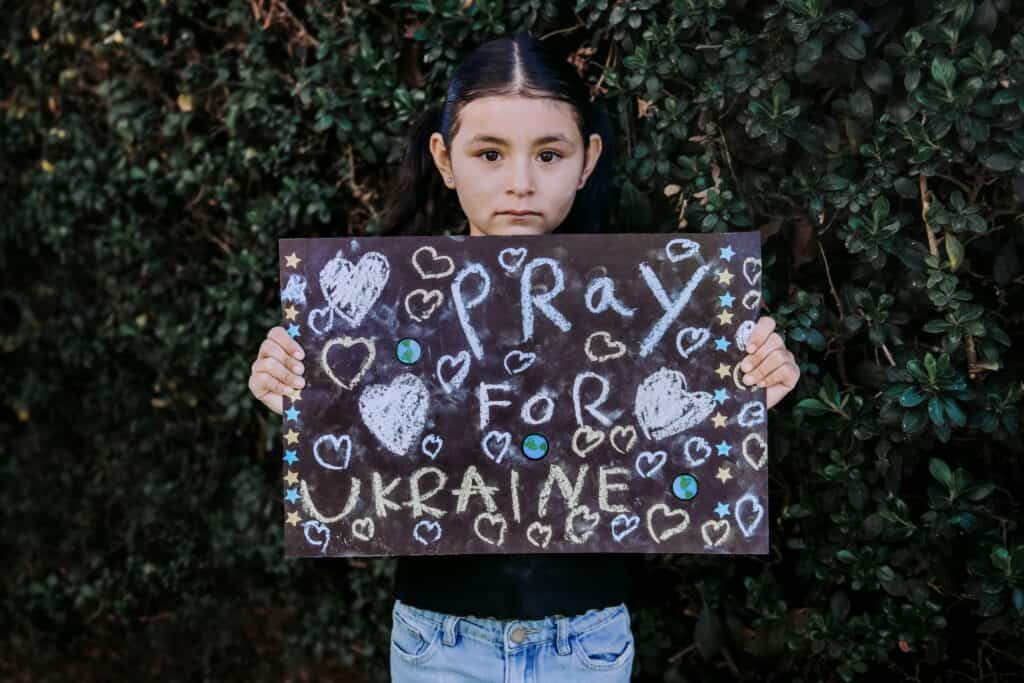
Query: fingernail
[299, 354]
[751, 348]
[748, 379]
[300, 382]
[745, 366]
[298, 368]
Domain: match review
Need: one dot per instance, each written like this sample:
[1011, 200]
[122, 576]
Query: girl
[527, 153]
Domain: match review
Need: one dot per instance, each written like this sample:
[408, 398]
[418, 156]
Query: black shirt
[530, 586]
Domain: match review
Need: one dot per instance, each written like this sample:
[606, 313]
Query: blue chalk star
[290, 457]
[721, 344]
[292, 414]
[726, 253]
[293, 330]
[721, 395]
[722, 509]
[726, 300]
[723, 448]
[292, 496]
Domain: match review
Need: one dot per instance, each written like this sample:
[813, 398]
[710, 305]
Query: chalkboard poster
[533, 394]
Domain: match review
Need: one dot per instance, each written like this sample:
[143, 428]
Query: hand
[277, 370]
[768, 363]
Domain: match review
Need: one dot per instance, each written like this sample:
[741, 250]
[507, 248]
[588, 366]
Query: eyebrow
[539, 141]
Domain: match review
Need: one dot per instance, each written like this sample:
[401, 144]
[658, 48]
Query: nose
[522, 178]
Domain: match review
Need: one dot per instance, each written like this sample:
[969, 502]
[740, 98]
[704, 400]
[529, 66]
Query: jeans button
[517, 635]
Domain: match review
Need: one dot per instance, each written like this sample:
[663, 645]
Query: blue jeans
[431, 646]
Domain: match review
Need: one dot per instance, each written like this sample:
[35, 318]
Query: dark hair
[512, 65]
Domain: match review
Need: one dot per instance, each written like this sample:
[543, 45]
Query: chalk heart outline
[434, 258]
[424, 296]
[700, 335]
[436, 442]
[524, 358]
[431, 526]
[753, 437]
[518, 255]
[495, 518]
[591, 517]
[743, 332]
[751, 299]
[538, 528]
[619, 430]
[396, 413]
[623, 525]
[657, 460]
[347, 343]
[752, 270]
[503, 438]
[688, 249]
[664, 407]
[702, 445]
[667, 512]
[319, 528]
[751, 414]
[718, 526]
[335, 442]
[318, 313]
[595, 437]
[748, 529]
[462, 360]
[616, 348]
[363, 528]
[352, 289]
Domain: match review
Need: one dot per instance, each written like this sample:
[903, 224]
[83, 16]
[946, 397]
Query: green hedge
[154, 151]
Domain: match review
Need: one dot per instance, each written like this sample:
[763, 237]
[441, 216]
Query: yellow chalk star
[719, 420]
[291, 312]
[725, 317]
[296, 395]
[292, 261]
[293, 518]
[292, 478]
[292, 436]
[723, 370]
[724, 276]
[723, 474]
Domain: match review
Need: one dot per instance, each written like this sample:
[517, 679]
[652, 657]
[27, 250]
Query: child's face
[522, 172]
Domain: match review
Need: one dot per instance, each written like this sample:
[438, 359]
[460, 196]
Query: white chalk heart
[750, 501]
[743, 333]
[712, 526]
[752, 269]
[580, 523]
[421, 304]
[539, 534]
[628, 432]
[586, 439]
[751, 299]
[348, 342]
[511, 258]
[698, 335]
[317, 528]
[431, 445]
[664, 407]
[608, 350]
[396, 413]
[495, 444]
[495, 519]
[336, 443]
[318, 314]
[363, 528]
[430, 272]
[352, 289]
[666, 511]
[460, 362]
[681, 249]
[517, 361]
[755, 461]
[623, 525]
[427, 531]
[701, 445]
[751, 414]
[648, 463]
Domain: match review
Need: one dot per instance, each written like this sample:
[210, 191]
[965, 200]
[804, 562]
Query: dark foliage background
[154, 151]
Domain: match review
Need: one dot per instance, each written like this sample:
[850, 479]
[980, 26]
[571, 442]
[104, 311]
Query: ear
[442, 160]
[593, 153]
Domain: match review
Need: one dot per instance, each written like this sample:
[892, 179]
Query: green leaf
[940, 470]
[944, 71]
[877, 76]
[955, 251]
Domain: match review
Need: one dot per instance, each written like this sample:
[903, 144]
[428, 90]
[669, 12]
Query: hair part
[519, 65]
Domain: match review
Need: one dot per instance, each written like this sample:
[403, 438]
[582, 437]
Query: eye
[549, 151]
[490, 151]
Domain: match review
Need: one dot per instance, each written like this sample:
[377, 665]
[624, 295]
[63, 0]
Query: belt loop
[450, 622]
[562, 643]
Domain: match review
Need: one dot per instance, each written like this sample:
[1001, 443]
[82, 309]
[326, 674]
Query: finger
[762, 374]
[753, 360]
[785, 375]
[262, 384]
[278, 371]
[271, 349]
[764, 327]
[281, 336]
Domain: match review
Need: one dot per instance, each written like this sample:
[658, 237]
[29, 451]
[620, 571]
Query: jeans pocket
[608, 645]
[413, 639]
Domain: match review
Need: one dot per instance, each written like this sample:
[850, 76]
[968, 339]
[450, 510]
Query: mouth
[519, 213]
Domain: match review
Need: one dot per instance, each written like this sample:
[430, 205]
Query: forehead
[517, 119]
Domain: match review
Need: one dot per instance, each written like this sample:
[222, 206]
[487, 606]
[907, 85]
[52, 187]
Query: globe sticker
[564, 393]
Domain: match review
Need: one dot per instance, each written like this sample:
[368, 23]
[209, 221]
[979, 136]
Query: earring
[448, 180]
